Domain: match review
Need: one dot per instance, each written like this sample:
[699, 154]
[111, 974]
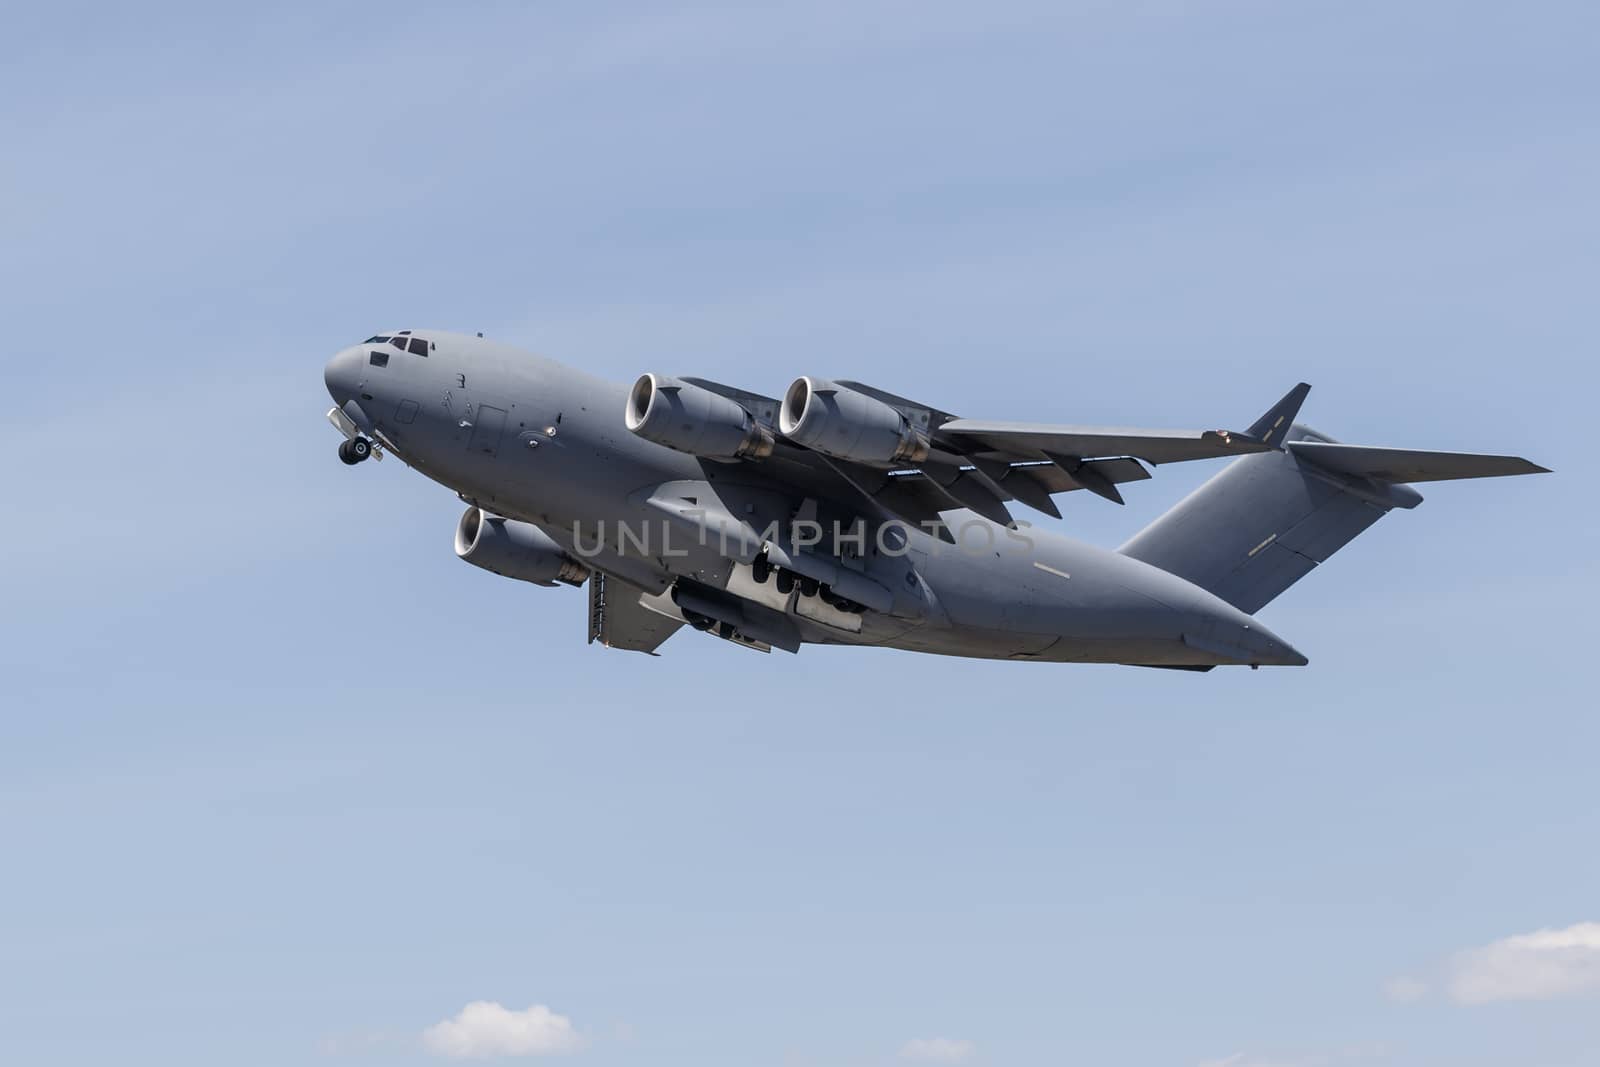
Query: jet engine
[514, 549]
[840, 422]
[691, 419]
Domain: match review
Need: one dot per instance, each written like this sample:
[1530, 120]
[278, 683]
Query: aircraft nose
[342, 375]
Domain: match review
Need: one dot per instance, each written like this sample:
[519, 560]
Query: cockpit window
[378, 357]
[404, 341]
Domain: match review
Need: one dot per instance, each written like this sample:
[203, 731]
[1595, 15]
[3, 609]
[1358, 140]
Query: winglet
[1270, 428]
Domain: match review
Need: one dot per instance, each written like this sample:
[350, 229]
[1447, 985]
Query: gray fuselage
[532, 440]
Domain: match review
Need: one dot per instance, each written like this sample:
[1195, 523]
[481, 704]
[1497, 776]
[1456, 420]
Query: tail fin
[1267, 519]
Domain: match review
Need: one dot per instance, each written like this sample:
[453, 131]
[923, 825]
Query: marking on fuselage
[1264, 544]
[1051, 570]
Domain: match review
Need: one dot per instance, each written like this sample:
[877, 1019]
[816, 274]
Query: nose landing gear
[355, 450]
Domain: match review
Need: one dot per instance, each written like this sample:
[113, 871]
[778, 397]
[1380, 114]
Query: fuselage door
[488, 424]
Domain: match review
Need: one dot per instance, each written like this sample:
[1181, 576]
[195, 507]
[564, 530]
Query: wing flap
[1059, 478]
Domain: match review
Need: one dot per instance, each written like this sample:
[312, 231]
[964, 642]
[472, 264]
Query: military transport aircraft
[844, 514]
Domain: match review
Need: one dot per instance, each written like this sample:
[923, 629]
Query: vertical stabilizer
[1268, 519]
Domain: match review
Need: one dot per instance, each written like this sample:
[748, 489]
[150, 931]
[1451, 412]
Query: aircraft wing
[1031, 440]
[983, 465]
[1029, 462]
[1034, 439]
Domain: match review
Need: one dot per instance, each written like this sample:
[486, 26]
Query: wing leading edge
[1079, 443]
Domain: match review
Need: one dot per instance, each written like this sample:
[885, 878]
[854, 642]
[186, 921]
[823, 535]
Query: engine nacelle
[694, 420]
[514, 549]
[843, 423]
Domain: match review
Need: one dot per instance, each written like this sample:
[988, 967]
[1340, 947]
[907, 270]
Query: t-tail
[1268, 519]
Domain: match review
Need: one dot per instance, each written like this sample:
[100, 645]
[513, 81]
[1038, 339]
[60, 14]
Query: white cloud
[1405, 990]
[937, 1049]
[484, 1029]
[1543, 965]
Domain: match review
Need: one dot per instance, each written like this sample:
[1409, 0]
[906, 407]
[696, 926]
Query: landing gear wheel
[809, 586]
[785, 582]
[760, 570]
[355, 450]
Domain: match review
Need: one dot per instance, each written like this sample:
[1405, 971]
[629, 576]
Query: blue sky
[281, 781]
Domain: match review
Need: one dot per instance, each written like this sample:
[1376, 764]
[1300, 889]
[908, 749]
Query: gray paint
[542, 444]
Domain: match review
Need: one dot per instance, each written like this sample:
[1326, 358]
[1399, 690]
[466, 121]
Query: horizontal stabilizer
[1409, 465]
